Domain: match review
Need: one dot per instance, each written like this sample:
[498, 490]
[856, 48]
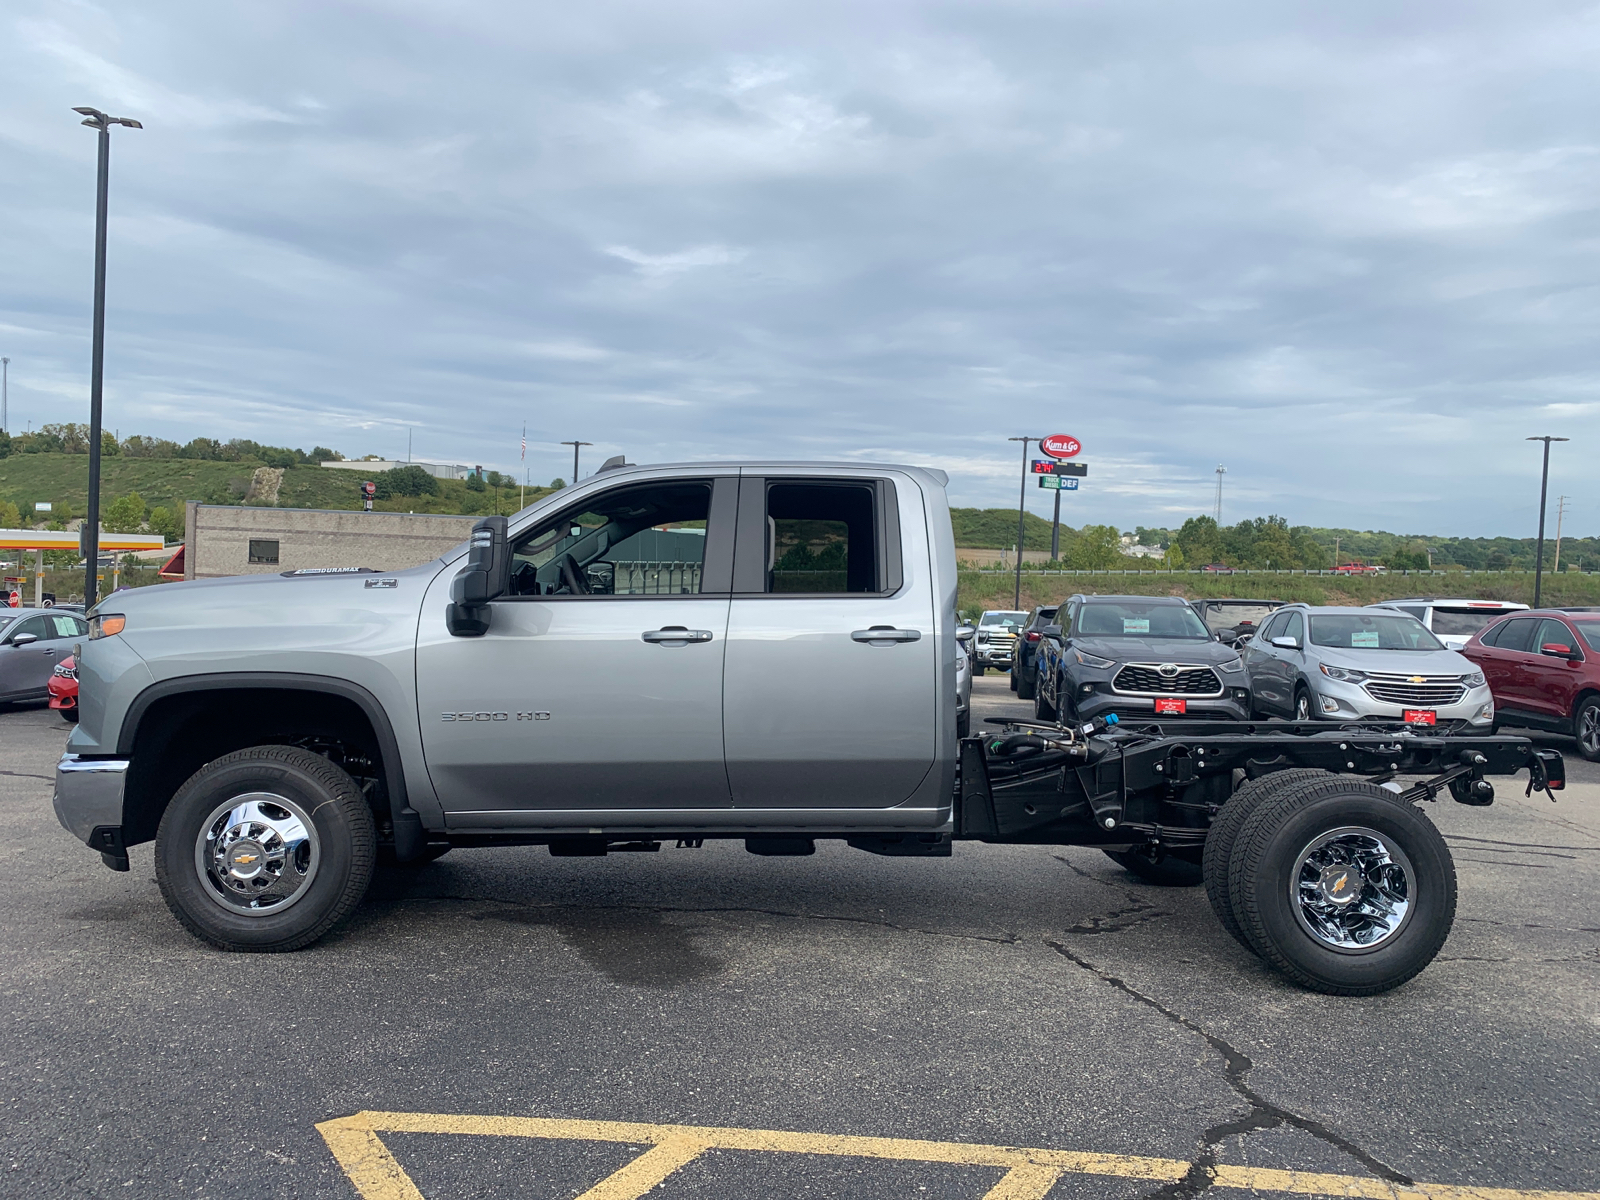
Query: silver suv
[1344, 664]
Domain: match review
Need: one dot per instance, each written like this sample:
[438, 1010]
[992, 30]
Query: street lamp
[1221, 471]
[1022, 502]
[101, 124]
[5, 390]
[575, 446]
[1544, 484]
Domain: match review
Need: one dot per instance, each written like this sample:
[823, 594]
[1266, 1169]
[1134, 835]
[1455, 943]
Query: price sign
[1058, 483]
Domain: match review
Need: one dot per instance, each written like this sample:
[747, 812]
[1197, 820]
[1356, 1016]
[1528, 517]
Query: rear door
[832, 669]
[1506, 663]
[1553, 680]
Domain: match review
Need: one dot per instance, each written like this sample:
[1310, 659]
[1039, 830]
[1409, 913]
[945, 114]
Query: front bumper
[88, 799]
[994, 656]
[1226, 707]
[1334, 700]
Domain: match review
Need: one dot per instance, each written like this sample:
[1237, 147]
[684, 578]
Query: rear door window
[1517, 635]
[824, 537]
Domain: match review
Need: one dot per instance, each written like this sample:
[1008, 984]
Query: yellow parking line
[1030, 1172]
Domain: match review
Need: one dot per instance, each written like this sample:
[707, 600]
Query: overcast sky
[1348, 250]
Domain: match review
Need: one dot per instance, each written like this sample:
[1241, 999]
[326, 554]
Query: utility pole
[1221, 471]
[1561, 511]
[1022, 501]
[90, 539]
[1544, 485]
[1055, 531]
[5, 390]
[1336, 550]
[575, 446]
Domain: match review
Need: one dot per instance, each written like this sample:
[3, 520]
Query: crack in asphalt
[27, 775]
[1531, 925]
[1461, 837]
[1111, 922]
[1263, 1113]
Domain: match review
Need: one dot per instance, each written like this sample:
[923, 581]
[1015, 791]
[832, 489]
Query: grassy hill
[26, 479]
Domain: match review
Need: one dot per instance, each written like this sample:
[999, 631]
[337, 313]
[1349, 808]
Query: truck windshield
[1357, 631]
[1013, 619]
[1132, 619]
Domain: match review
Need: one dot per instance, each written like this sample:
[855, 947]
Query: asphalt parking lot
[641, 1019]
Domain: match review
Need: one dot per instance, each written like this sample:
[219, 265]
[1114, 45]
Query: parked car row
[1462, 665]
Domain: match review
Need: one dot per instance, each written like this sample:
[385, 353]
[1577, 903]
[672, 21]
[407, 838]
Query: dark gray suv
[1136, 656]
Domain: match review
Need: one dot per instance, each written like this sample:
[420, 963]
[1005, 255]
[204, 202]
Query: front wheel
[265, 849]
[1586, 728]
[977, 670]
[1342, 887]
[1302, 704]
[1027, 682]
[964, 724]
[1043, 710]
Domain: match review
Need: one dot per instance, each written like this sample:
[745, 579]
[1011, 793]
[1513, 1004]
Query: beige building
[225, 539]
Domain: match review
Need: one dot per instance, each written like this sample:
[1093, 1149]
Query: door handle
[676, 635]
[882, 635]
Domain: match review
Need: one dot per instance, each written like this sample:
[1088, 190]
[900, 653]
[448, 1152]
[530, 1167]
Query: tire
[69, 715]
[964, 724]
[1302, 705]
[1043, 710]
[1027, 682]
[977, 670]
[283, 807]
[1225, 830]
[1167, 872]
[1586, 728]
[1408, 884]
[1013, 673]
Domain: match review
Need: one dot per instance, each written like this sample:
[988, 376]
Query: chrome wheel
[257, 854]
[1352, 889]
[1302, 706]
[1589, 730]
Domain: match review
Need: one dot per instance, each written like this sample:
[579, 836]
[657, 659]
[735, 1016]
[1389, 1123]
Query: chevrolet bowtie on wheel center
[785, 639]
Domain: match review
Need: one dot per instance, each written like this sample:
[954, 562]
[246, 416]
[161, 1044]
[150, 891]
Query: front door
[832, 665]
[25, 669]
[1553, 679]
[598, 687]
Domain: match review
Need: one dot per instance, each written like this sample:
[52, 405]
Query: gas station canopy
[53, 539]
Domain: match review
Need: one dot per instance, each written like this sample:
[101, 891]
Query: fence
[656, 578]
[1386, 574]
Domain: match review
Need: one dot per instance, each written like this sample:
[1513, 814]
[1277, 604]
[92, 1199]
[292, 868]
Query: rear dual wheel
[1336, 883]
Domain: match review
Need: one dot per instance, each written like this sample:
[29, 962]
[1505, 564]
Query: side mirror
[1051, 631]
[24, 639]
[486, 577]
[964, 632]
[1286, 643]
[1553, 649]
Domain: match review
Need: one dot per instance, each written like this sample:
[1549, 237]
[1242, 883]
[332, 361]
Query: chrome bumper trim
[89, 793]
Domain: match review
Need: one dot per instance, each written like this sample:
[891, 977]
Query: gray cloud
[1349, 251]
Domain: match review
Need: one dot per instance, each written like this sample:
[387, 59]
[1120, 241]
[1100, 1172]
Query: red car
[1543, 668]
[63, 688]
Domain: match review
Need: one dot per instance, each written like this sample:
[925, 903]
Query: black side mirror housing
[485, 578]
[1050, 631]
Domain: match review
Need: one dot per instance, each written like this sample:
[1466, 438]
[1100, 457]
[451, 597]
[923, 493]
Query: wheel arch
[1588, 691]
[184, 722]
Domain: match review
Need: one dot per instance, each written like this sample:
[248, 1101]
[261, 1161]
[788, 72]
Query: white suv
[1453, 622]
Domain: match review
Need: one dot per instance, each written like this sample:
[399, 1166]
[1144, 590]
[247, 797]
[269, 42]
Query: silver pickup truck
[765, 652]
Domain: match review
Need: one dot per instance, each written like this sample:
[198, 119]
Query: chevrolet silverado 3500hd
[760, 651]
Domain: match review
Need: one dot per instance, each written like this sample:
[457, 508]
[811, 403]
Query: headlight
[1473, 680]
[1343, 674]
[1234, 664]
[106, 625]
[1090, 660]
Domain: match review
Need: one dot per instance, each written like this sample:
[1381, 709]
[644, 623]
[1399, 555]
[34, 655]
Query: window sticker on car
[1364, 639]
[1135, 624]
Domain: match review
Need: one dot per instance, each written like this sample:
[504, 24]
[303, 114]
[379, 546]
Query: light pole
[1544, 485]
[90, 541]
[1221, 471]
[5, 390]
[575, 446]
[1022, 501]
